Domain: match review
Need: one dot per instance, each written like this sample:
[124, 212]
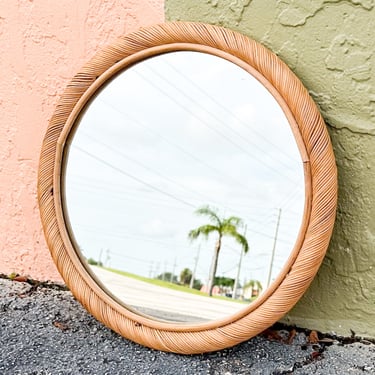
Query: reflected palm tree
[255, 287]
[223, 227]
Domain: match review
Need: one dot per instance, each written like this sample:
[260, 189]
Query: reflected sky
[169, 135]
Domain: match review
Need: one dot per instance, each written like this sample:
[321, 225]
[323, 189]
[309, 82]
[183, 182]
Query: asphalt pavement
[44, 330]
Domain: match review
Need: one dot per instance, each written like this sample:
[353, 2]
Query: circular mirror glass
[175, 153]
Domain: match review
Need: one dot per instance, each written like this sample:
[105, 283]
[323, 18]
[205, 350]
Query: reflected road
[165, 303]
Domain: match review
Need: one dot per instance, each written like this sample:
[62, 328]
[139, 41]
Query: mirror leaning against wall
[173, 134]
[183, 188]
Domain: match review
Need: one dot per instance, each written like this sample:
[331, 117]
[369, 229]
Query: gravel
[43, 330]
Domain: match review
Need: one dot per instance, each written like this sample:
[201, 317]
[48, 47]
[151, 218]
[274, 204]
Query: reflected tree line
[186, 279]
[224, 285]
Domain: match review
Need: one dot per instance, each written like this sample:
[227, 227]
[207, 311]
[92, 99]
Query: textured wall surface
[43, 44]
[330, 45]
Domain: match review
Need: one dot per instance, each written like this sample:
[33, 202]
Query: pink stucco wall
[43, 44]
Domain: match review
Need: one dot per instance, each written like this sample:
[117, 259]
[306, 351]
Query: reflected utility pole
[107, 258]
[235, 287]
[273, 249]
[150, 272]
[173, 271]
[195, 268]
[165, 270]
[157, 269]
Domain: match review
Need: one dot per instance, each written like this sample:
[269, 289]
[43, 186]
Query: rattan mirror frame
[320, 187]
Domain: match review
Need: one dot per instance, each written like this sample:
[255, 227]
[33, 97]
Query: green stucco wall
[330, 45]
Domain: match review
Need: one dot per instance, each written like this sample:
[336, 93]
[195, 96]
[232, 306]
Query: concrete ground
[43, 330]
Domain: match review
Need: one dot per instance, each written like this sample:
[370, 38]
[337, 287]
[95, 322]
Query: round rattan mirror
[133, 178]
[316, 158]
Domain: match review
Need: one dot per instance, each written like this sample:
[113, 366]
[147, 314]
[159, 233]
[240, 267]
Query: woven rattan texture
[319, 214]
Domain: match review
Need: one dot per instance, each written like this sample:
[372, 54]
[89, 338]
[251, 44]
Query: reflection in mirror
[173, 134]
